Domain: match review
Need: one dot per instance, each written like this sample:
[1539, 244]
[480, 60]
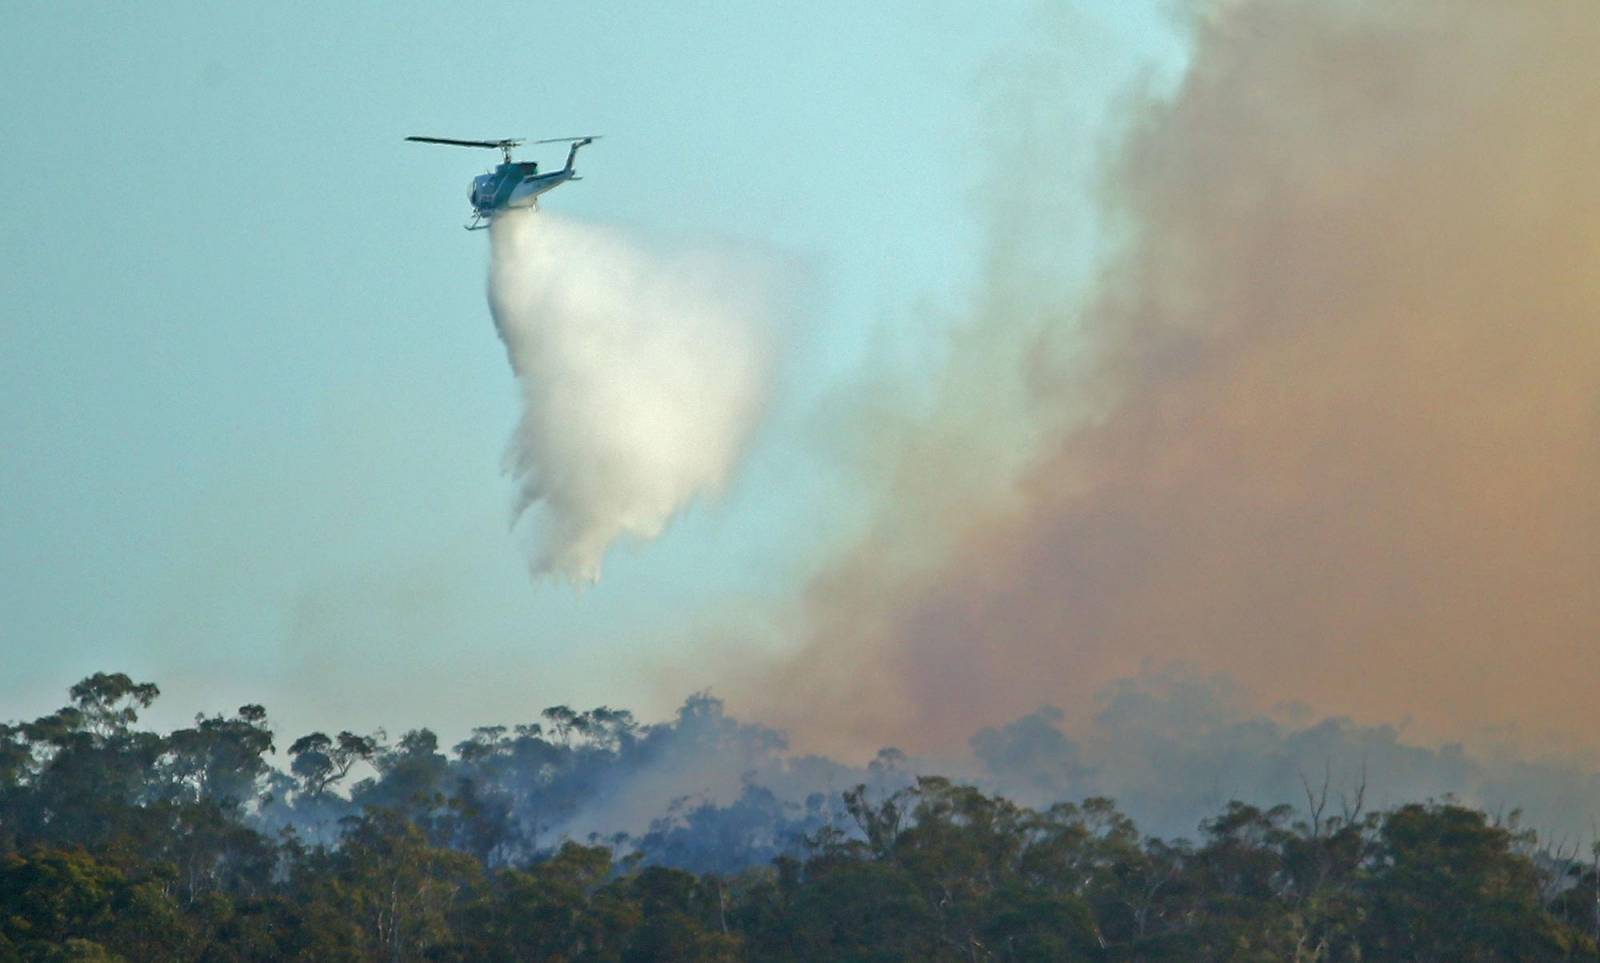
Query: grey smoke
[706, 790]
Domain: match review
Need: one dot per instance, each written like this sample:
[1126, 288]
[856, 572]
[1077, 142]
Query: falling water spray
[642, 374]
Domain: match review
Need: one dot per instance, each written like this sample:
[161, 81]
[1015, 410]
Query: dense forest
[118, 843]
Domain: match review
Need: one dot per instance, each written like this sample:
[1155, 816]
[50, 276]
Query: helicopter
[512, 184]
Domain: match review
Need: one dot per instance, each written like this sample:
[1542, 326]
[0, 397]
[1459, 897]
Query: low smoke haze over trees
[119, 843]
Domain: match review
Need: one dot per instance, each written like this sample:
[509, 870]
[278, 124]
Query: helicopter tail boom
[572, 153]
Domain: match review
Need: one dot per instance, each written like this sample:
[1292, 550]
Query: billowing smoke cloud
[1174, 747]
[1328, 422]
[708, 792]
[642, 374]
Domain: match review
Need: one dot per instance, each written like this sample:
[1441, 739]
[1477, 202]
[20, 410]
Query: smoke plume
[641, 373]
[1328, 422]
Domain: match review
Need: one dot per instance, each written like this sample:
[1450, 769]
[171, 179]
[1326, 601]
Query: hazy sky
[251, 402]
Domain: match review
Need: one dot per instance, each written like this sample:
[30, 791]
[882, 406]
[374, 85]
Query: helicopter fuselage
[513, 185]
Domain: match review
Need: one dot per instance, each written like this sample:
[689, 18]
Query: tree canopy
[120, 844]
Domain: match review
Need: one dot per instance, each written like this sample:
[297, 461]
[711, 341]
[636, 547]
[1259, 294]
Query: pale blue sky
[251, 402]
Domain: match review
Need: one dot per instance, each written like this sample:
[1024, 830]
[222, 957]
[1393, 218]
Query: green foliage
[123, 845]
[320, 762]
[1448, 885]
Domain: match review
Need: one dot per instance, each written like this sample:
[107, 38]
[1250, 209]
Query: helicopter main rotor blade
[496, 144]
[565, 140]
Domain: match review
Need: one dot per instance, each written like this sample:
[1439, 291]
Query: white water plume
[642, 374]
